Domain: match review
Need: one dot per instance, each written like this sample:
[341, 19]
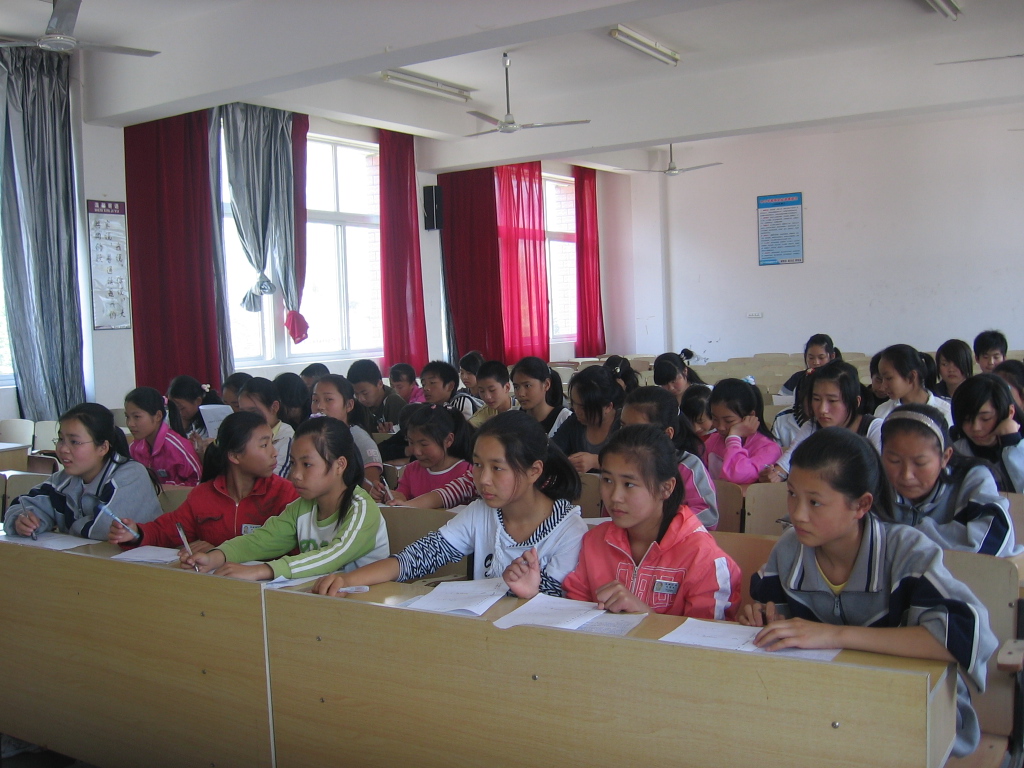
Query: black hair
[623, 372]
[844, 376]
[99, 423]
[188, 388]
[406, 413]
[360, 415]
[364, 372]
[444, 371]
[314, 371]
[986, 341]
[236, 381]
[661, 409]
[535, 368]
[1012, 372]
[908, 361]
[471, 362]
[873, 365]
[437, 422]
[596, 389]
[667, 367]
[823, 340]
[696, 402]
[493, 369]
[402, 372]
[691, 375]
[148, 399]
[959, 354]
[971, 396]
[333, 440]
[649, 448]
[742, 399]
[232, 437]
[526, 442]
[264, 391]
[850, 465]
[294, 396]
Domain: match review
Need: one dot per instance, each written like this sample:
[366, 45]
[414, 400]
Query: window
[6, 360]
[341, 298]
[560, 236]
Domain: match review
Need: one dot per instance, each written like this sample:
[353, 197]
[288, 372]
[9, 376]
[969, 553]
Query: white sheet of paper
[547, 611]
[736, 637]
[618, 624]
[213, 415]
[55, 541]
[473, 596]
[148, 554]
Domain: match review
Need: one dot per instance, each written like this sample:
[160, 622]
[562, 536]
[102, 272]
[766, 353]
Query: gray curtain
[220, 280]
[37, 232]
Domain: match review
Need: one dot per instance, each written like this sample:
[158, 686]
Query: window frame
[551, 236]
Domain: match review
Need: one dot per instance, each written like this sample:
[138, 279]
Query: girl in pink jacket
[742, 445]
[155, 445]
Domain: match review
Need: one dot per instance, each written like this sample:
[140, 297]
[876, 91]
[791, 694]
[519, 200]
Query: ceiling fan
[671, 170]
[59, 35]
[508, 124]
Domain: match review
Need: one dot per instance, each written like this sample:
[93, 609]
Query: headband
[920, 418]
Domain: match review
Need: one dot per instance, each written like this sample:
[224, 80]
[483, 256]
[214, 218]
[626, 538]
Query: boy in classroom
[990, 350]
[492, 383]
[383, 403]
[439, 381]
[403, 380]
[312, 373]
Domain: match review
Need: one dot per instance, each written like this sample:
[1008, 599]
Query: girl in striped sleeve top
[334, 523]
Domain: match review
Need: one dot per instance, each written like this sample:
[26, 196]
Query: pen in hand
[184, 541]
[105, 510]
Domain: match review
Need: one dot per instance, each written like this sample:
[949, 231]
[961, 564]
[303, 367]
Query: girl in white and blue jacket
[985, 419]
[847, 576]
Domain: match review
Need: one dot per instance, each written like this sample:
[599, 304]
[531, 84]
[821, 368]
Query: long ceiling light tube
[425, 84]
[644, 44]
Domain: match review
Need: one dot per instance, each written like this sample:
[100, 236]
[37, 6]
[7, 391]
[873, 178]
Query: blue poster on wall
[780, 229]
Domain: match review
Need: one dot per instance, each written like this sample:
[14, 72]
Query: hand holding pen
[184, 542]
[27, 524]
[124, 531]
[103, 509]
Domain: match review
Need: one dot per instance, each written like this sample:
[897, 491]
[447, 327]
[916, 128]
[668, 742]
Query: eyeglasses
[59, 441]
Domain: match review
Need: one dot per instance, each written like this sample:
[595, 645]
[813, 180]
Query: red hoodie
[210, 514]
[685, 574]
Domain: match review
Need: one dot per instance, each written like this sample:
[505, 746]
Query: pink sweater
[454, 485]
[172, 457]
[737, 460]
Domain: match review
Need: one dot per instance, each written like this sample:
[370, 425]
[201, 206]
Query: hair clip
[205, 387]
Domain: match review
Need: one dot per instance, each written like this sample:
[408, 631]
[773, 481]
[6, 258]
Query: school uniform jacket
[172, 458]
[943, 407]
[480, 531]
[210, 514]
[898, 580]
[1009, 455]
[870, 427]
[684, 574]
[283, 433]
[971, 516]
[698, 490]
[739, 461]
[464, 403]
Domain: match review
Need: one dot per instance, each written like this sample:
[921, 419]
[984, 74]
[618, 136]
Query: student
[469, 365]
[439, 381]
[335, 524]
[96, 473]
[990, 350]
[951, 499]
[184, 395]
[1012, 372]
[259, 395]
[673, 374]
[439, 477]
[312, 373]
[334, 396]
[524, 510]
[493, 385]
[403, 379]
[657, 406]
[955, 364]
[229, 389]
[596, 398]
[380, 400]
[156, 446]
[741, 445]
[239, 491]
[908, 377]
[835, 401]
[539, 392]
[788, 422]
[878, 390]
[654, 556]
[395, 448]
[984, 415]
[818, 350]
[623, 373]
[295, 399]
[846, 576]
[696, 406]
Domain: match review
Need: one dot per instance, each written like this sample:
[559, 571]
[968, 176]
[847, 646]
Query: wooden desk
[123, 664]
[14, 456]
[354, 683]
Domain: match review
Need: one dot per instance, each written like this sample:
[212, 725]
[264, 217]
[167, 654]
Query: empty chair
[18, 431]
[44, 435]
[590, 499]
[730, 506]
[766, 504]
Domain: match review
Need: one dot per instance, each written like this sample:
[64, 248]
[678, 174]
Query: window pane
[320, 176]
[559, 205]
[358, 180]
[362, 275]
[247, 339]
[562, 287]
[6, 361]
[321, 298]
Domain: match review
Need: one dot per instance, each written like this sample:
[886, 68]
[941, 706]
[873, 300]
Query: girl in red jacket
[654, 555]
[239, 491]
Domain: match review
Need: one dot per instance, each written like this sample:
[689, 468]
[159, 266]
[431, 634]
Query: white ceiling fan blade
[697, 167]
[987, 58]
[552, 125]
[645, 170]
[116, 49]
[14, 42]
[64, 17]
[481, 133]
[485, 118]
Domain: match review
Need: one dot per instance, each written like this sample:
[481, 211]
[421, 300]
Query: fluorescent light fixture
[426, 84]
[652, 48]
[948, 8]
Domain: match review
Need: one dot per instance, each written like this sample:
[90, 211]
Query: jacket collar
[866, 575]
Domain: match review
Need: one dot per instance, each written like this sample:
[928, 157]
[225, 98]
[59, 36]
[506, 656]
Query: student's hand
[754, 615]
[1008, 426]
[746, 427]
[261, 572]
[616, 598]
[583, 461]
[199, 443]
[199, 547]
[523, 574]
[205, 562]
[770, 474]
[385, 427]
[379, 491]
[329, 584]
[26, 524]
[799, 633]
[123, 534]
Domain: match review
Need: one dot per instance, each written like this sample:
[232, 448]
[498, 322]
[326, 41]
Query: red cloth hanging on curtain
[589, 312]
[523, 259]
[296, 324]
[471, 267]
[401, 280]
[170, 240]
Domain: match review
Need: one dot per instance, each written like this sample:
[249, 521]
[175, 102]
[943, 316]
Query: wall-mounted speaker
[432, 212]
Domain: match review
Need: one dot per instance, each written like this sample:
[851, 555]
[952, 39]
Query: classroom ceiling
[746, 66]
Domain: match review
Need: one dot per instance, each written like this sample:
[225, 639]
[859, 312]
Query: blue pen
[104, 510]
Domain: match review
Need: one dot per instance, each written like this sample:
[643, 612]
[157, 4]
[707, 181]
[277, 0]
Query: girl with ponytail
[908, 377]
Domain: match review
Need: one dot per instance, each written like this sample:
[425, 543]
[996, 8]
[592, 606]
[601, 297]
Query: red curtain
[589, 313]
[170, 241]
[469, 239]
[405, 330]
[523, 258]
[294, 322]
